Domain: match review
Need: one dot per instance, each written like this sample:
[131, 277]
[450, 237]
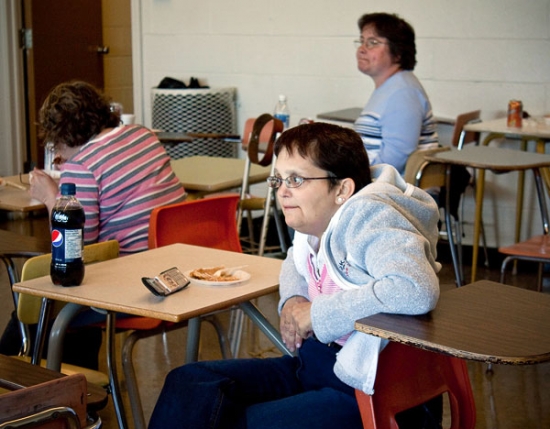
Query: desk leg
[193, 336]
[44, 317]
[492, 136]
[113, 376]
[263, 324]
[480, 189]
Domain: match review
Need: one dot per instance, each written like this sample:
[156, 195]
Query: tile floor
[510, 398]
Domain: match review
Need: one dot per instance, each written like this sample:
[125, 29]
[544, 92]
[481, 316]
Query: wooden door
[64, 42]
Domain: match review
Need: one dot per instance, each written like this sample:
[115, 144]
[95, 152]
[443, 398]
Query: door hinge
[25, 38]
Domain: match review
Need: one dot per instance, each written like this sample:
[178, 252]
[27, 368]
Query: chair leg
[458, 239]
[222, 338]
[504, 266]
[539, 277]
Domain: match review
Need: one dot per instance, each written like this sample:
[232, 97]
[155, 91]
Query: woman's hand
[43, 188]
[295, 325]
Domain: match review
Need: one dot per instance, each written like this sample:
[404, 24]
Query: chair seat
[137, 323]
[534, 247]
[96, 377]
[253, 203]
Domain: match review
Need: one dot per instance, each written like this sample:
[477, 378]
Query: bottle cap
[68, 189]
[282, 97]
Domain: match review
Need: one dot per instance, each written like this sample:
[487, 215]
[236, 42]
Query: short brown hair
[74, 112]
[399, 33]
[337, 150]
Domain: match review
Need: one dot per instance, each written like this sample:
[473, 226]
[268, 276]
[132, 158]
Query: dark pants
[286, 392]
[80, 347]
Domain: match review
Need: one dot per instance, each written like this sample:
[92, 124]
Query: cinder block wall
[471, 54]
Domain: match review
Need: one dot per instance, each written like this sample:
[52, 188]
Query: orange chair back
[408, 376]
[208, 222]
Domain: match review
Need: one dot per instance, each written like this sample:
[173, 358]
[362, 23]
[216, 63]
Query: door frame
[13, 137]
[12, 90]
[137, 60]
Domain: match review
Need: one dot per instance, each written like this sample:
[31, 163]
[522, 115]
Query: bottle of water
[67, 220]
[282, 111]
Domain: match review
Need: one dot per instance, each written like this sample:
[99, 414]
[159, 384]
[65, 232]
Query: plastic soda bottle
[67, 219]
[282, 112]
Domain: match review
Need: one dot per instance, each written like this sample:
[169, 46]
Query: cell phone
[167, 282]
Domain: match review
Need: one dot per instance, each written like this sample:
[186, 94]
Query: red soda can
[515, 113]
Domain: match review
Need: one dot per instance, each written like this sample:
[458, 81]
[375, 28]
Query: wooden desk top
[351, 114]
[23, 374]
[13, 242]
[344, 115]
[483, 321]
[116, 284]
[15, 199]
[214, 174]
[492, 158]
[173, 138]
[530, 128]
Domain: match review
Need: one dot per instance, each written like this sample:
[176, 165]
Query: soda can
[305, 121]
[515, 113]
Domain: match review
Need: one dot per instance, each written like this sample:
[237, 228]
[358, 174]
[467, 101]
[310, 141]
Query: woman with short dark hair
[362, 245]
[398, 117]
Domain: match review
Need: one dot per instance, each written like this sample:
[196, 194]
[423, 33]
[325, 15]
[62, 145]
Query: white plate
[242, 276]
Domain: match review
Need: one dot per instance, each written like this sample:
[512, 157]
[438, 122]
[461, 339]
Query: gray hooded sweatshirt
[380, 248]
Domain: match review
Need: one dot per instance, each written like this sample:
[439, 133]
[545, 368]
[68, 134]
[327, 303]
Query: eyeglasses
[370, 43]
[292, 181]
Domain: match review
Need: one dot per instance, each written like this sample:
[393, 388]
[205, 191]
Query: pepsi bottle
[67, 219]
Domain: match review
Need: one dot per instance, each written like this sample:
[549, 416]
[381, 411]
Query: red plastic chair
[408, 376]
[209, 222]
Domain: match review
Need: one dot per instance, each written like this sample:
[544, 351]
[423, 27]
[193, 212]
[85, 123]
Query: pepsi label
[66, 245]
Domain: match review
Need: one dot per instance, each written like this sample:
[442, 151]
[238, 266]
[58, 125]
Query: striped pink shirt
[119, 179]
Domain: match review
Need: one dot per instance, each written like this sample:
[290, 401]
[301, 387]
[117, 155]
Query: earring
[339, 200]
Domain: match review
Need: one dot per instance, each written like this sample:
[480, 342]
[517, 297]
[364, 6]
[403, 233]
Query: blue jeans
[286, 392]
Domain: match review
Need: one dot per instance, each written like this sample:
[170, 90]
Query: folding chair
[258, 138]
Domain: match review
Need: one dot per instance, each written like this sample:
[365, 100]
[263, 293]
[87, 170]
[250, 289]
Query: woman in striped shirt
[121, 172]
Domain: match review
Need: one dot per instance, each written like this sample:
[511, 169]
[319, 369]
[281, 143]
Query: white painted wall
[471, 54]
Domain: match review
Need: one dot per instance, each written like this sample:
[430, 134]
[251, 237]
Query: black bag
[171, 83]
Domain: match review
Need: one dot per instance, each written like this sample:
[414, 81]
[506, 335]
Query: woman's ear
[347, 188]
